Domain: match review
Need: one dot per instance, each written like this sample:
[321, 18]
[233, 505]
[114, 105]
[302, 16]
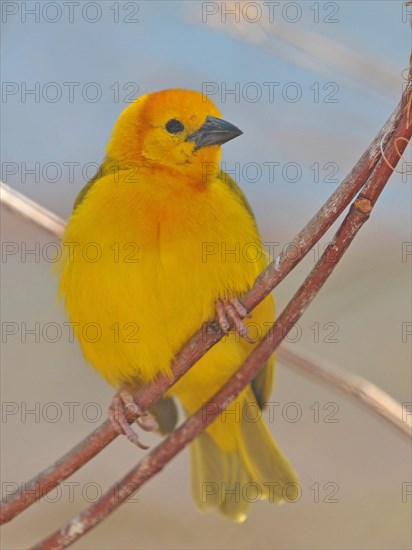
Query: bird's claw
[147, 422]
[122, 404]
[232, 311]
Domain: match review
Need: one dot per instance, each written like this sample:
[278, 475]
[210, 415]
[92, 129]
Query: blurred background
[310, 84]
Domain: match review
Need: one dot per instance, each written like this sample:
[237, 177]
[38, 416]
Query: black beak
[214, 131]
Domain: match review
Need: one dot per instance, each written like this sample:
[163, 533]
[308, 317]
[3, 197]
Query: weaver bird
[144, 271]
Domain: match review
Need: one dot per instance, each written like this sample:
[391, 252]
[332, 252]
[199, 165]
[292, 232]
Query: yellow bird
[158, 242]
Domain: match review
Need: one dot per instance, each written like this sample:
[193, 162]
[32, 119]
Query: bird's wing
[262, 383]
[107, 166]
[233, 186]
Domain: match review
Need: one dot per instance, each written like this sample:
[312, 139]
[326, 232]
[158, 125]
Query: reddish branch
[155, 461]
[393, 139]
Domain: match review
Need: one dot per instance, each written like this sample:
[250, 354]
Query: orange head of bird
[177, 130]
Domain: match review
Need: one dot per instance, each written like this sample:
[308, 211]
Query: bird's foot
[123, 404]
[232, 312]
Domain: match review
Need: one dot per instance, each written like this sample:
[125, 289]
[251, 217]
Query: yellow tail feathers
[255, 470]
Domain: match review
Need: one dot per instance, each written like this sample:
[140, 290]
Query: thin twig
[209, 335]
[31, 210]
[155, 461]
[363, 391]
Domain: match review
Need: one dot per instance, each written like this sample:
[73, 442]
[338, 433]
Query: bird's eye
[174, 126]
